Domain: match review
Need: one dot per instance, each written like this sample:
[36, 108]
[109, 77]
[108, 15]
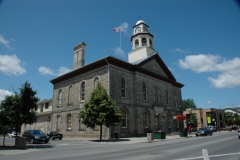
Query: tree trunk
[100, 132]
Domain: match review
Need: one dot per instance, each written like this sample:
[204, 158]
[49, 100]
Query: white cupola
[142, 42]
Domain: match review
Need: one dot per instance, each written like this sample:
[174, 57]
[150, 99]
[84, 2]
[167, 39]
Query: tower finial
[139, 17]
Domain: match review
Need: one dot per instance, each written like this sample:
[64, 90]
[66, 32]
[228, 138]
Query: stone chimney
[79, 52]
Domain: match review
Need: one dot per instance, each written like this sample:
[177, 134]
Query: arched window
[96, 81]
[144, 41]
[136, 43]
[70, 95]
[167, 100]
[144, 91]
[150, 42]
[175, 100]
[124, 118]
[156, 94]
[145, 119]
[79, 124]
[82, 90]
[123, 89]
[59, 97]
[69, 122]
[58, 125]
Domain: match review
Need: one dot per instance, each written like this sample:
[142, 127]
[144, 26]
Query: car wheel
[60, 138]
[239, 137]
[211, 134]
[32, 141]
[52, 138]
[196, 135]
[46, 141]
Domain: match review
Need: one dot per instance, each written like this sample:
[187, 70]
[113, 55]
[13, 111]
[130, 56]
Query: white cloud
[118, 51]
[124, 27]
[178, 50]
[11, 65]
[229, 70]
[47, 71]
[5, 42]
[225, 80]
[4, 93]
[209, 102]
[63, 70]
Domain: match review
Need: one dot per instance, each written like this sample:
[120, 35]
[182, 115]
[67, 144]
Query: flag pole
[120, 38]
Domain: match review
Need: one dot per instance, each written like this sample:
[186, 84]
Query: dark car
[53, 135]
[234, 128]
[204, 132]
[34, 136]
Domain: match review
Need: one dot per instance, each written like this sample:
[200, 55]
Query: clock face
[137, 30]
[145, 29]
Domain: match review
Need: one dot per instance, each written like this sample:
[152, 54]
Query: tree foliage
[193, 121]
[229, 117]
[100, 110]
[188, 103]
[18, 109]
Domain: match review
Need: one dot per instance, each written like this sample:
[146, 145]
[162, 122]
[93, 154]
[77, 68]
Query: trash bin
[21, 142]
[159, 135]
[115, 134]
[183, 133]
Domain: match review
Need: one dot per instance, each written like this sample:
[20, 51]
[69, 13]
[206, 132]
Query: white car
[12, 135]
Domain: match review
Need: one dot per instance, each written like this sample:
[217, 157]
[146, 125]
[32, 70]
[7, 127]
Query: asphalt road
[220, 146]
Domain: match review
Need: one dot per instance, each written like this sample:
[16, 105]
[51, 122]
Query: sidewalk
[10, 149]
[132, 140]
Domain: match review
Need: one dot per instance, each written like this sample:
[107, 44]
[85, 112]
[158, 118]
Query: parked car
[53, 135]
[12, 135]
[234, 128]
[213, 128]
[34, 136]
[204, 132]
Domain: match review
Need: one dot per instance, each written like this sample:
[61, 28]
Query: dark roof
[122, 64]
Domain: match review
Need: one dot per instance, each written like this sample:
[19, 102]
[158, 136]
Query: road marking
[205, 154]
[219, 155]
[213, 141]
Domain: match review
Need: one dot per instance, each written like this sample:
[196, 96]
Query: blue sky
[199, 41]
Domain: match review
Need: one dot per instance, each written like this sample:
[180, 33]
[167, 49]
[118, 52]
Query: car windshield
[37, 132]
[201, 128]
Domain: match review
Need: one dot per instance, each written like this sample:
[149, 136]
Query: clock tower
[142, 43]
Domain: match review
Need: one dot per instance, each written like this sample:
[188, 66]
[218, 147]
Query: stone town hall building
[144, 89]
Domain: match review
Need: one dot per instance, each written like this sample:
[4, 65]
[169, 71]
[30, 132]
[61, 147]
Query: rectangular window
[60, 97]
[123, 89]
[41, 109]
[46, 105]
[83, 91]
[145, 119]
[144, 91]
[69, 122]
[124, 119]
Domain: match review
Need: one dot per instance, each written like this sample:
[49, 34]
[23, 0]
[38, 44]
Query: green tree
[100, 110]
[229, 117]
[5, 125]
[193, 121]
[19, 108]
[188, 103]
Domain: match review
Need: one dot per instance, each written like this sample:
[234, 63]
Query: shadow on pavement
[28, 146]
[112, 140]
